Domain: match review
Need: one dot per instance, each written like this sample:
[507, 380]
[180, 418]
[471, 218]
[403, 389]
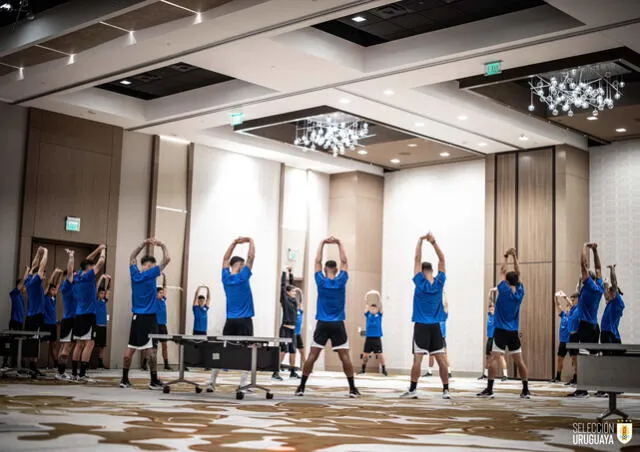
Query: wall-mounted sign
[72, 224]
[493, 68]
[236, 118]
[292, 254]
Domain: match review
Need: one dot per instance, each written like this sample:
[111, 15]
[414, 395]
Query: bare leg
[302, 357]
[443, 368]
[86, 352]
[165, 352]
[292, 361]
[347, 366]
[365, 360]
[431, 362]
[522, 368]
[152, 359]
[310, 361]
[126, 364]
[415, 369]
[77, 350]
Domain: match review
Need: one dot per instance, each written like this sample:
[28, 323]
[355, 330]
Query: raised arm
[164, 283]
[208, 295]
[283, 286]
[20, 284]
[227, 255]
[596, 260]
[439, 253]
[36, 258]
[516, 264]
[557, 298]
[133, 259]
[417, 260]
[614, 278]
[344, 263]
[55, 278]
[99, 283]
[251, 254]
[492, 296]
[100, 262]
[92, 256]
[195, 296]
[107, 284]
[70, 264]
[584, 261]
[505, 265]
[290, 271]
[43, 262]
[319, 254]
[165, 255]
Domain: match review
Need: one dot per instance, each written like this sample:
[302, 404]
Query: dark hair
[158, 289]
[374, 305]
[85, 263]
[592, 275]
[52, 286]
[290, 287]
[200, 297]
[146, 259]
[18, 281]
[331, 264]
[426, 266]
[512, 278]
[575, 295]
[234, 260]
[101, 289]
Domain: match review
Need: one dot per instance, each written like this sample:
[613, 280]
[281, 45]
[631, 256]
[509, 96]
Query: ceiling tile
[30, 57]
[85, 39]
[200, 5]
[149, 16]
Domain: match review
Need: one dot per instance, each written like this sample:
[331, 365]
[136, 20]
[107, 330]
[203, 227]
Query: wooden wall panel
[505, 215]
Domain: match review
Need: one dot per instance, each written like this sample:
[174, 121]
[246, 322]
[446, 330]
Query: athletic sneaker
[167, 366]
[299, 392]
[156, 385]
[276, 376]
[63, 377]
[409, 395]
[525, 395]
[450, 375]
[504, 378]
[73, 378]
[210, 388]
[427, 374]
[482, 377]
[555, 380]
[353, 393]
[445, 394]
[486, 394]
[601, 394]
[385, 373]
[85, 379]
[579, 394]
[125, 384]
[293, 375]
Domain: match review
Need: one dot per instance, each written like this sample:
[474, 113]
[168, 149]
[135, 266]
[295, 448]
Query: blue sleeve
[367, 314]
[592, 286]
[441, 279]
[245, 274]
[91, 275]
[205, 307]
[194, 309]
[14, 292]
[343, 277]
[152, 273]
[134, 272]
[503, 287]
[319, 279]
[419, 278]
[226, 272]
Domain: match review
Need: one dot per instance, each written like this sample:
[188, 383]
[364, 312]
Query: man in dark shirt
[289, 303]
[16, 321]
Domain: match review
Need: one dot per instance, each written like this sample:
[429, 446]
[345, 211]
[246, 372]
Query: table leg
[254, 364]
[613, 408]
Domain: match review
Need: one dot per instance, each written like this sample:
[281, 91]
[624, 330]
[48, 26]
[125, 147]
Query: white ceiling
[282, 65]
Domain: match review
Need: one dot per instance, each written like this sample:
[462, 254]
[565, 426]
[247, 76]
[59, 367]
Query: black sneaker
[503, 378]
[125, 384]
[427, 374]
[525, 394]
[385, 373]
[555, 380]
[485, 394]
[294, 375]
[601, 394]
[353, 393]
[482, 377]
[300, 391]
[167, 367]
[579, 394]
[276, 376]
[156, 385]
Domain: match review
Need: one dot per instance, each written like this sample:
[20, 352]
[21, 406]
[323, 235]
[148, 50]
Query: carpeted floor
[49, 415]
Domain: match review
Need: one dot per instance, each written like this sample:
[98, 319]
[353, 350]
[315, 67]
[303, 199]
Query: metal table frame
[253, 342]
[19, 335]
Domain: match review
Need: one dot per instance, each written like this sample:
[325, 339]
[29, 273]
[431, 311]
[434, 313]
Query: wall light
[362, 152]
[358, 19]
[395, 161]
[523, 137]
[482, 144]
[388, 92]
[621, 130]
[419, 124]
[592, 118]
[125, 82]
[463, 117]
[345, 101]
[444, 154]
[20, 75]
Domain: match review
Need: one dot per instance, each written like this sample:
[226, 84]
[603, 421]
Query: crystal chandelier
[336, 133]
[596, 87]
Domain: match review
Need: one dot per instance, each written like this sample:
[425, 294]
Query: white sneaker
[445, 394]
[409, 395]
[86, 379]
[210, 388]
[63, 377]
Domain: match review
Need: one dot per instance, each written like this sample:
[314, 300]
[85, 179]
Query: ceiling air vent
[390, 11]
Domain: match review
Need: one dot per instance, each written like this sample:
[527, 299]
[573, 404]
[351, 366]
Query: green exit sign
[236, 118]
[72, 224]
[493, 68]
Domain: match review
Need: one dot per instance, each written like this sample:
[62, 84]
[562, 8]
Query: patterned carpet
[49, 415]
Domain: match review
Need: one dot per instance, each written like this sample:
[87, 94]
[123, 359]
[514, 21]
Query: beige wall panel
[368, 256]
[296, 240]
[76, 133]
[76, 183]
[343, 185]
[370, 186]
[505, 204]
[342, 224]
[577, 215]
[172, 175]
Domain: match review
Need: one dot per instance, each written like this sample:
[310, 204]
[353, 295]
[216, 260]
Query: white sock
[504, 372]
[214, 377]
[450, 370]
[486, 371]
[244, 378]
[429, 369]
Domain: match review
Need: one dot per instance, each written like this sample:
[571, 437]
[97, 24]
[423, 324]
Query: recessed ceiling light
[482, 144]
[125, 82]
[463, 117]
[444, 154]
[412, 145]
[358, 19]
[419, 124]
[345, 101]
[388, 92]
[523, 137]
[396, 161]
[362, 152]
[591, 118]
[621, 130]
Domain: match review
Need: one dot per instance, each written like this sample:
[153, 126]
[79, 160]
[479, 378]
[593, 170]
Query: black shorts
[488, 346]
[101, 336]
[142, 325]
[84, 327]
[52, 329]
[162, 329]
[31, 347]
[199, 333]
[66, 330]
[238, 327]
[562, 349]
[372, 345]
[427, 338]
[34, 322]
[588, 332]
[607, 337]
[506, 341]
[288, 333]
[573, 338]
[299, 342]
[14, 325]
[330, 331]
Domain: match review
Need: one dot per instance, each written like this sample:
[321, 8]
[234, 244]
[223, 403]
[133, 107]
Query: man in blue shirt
[299, 323]
[428, 311]
[563, 308]
[443, 330]
[68, 319]
[35, 307]
[609, 333]
[507, 322]
[16, 321]
[573, 323]
[491, 326]
[144, 308]
[85, 294]
[201, 306]
[330, 315]
[236, 274]
[289, 304]
[51, 315]
[161, 319]
[373, 332]
[101, 318]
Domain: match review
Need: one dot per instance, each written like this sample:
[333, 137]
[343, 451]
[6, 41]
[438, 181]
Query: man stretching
[289, 303]
[35, 307]
[373, 331]
[505, 338]
[16, 321]
[491, 327]
[235, 279]
[563, 307]
[51, 315]
[101, 318]
[609, 333]
[330, 315]
[428, 311]
[299, 322]
[161, 318]
[66, 325]
[144, 307]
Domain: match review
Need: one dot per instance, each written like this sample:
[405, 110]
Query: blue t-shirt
[574, 319]
[238, 292]
[563, 331]
[200, 318]
[144, 294]
[374, 324]
[85, 292]
[507, 310]
[161, 313]
[68, 300]
[50, 315]
[101, 312]
[35, 292]
[589, 301]
[611, 316]
[427, 299]
[299, 317]
[332, 294]
[491, 324]
[17, 306]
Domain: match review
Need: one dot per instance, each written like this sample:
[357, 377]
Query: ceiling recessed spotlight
[621, 130]
[345, 101]
[592, 118]
[358, 19]
[362, 152]
[523, 137]
[125, 82]
[463, 117]
[444, 154]
[412, 145]
[388, 92]
[419, 124]
[482, 144]
[396, 161]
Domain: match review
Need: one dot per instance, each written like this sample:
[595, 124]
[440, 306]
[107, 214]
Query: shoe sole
[354, 396]
[409, 398]
[485, 396]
